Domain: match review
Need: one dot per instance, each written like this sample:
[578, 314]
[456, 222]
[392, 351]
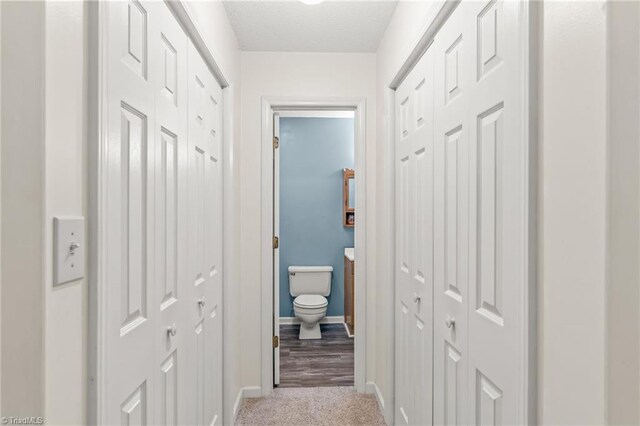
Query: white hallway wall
[297, 75]
[623, 295]
[22, 202]
[573, 204]
[65, 189]
[0, 214]
[50, 378]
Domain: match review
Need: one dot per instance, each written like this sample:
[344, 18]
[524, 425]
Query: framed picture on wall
[350, 218]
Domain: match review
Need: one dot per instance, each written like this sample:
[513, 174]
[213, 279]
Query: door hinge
[276, 242]
[276, 142]
[276, 341]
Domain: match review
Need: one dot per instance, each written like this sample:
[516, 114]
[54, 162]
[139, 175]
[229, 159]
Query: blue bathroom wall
[313, 152]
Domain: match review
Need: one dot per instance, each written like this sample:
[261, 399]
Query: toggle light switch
[68, 253]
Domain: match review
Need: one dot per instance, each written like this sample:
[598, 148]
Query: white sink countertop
[350, 253]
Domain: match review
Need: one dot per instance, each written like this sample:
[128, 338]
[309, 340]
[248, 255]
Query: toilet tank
[310, 280]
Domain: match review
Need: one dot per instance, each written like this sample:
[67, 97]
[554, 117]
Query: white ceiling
[292, 26]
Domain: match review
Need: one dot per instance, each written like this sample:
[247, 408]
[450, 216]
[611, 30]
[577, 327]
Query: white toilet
[310, 285]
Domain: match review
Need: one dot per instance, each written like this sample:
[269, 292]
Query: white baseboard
[372, 388]
[251, 392]
[236, 407]
[245, 392]
[325, 320]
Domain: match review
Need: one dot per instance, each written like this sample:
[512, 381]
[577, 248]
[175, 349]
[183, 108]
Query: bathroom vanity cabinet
[349, 290]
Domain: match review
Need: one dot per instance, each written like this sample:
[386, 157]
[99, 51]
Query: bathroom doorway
[314, 220]
[314, 264]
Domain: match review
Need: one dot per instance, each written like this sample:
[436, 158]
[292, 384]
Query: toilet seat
[310, 301]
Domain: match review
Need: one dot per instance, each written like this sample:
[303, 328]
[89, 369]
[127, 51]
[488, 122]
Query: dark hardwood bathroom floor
[311, 363]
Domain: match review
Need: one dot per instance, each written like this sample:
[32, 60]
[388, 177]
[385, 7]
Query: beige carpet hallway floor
[311, 406]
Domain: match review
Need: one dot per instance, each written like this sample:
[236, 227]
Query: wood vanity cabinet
[349, 295]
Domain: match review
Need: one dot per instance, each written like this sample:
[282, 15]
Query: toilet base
[308, 332]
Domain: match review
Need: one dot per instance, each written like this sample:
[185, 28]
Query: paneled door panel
[205, 236]
[162, 224]
[414, 246]
[453, 75]
[168, 60]
[498, 225]
[130, 155]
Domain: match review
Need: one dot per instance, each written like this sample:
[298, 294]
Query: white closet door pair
[163, 228]
[461, 229]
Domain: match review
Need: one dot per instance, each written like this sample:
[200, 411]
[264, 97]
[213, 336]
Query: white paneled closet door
[474, 205]
[162, 223]
[414, 245]
[205, 242]
[168, 65]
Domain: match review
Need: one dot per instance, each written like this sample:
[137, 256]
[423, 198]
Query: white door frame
[276, 211]
[97, 123]
[269, 105]
[529, 24]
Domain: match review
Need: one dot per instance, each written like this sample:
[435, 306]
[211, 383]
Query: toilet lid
[309, 300]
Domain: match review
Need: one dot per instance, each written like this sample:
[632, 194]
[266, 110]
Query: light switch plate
[68, 253]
